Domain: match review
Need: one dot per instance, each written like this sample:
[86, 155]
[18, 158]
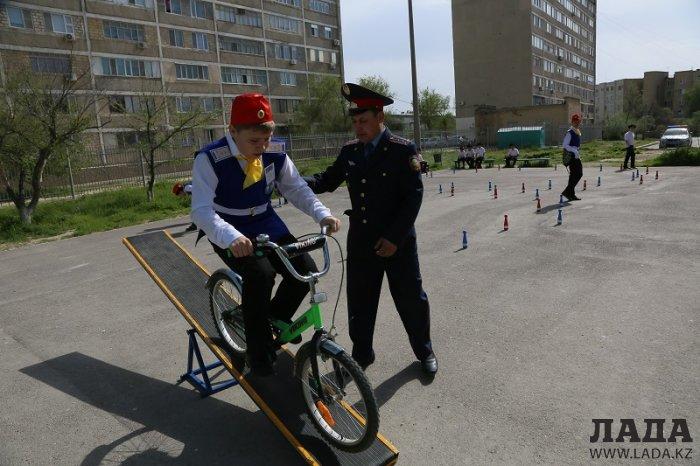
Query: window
[314, 30]
[239, 16]
[327, 32]
[285, 105]
[199, 72]
[288, 79]
[127, 67]
[177, 38]
[248, 47]
[127, 139]
[321, 55]
[199, 41]
[187, 139]
[280, 23]
[48, 64]
[296, 3]
[19, 18]
[61, 24]
[123, 31]
[173, 6]
[320, 6]
[284, 52]
[334, 58]
[210, 104]
[199, 9]
[183, 104]
[124, 104]
[230, 75]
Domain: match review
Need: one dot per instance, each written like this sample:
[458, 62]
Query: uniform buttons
[363, 208]
[362, 194]
[364, 220]
[364, 180]
[383, 173]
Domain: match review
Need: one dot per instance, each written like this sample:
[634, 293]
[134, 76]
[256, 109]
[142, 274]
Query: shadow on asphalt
[170, 424]
[552, 207]
[387, 389]
[167, 227]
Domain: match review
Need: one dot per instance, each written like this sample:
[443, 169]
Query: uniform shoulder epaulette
[350, 143]
[400, 140]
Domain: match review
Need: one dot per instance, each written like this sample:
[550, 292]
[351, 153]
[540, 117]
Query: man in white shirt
[232, 182]
[629, 143]
[479, 155]
[469, 156]
[512, 156]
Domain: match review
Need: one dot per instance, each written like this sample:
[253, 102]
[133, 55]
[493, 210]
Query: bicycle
[337, 395]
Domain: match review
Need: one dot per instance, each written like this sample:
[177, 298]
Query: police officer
[572, 145]
[382, 172]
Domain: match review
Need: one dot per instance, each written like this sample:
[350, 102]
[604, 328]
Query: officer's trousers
[365, 275]
[258, 275]
[629, 154]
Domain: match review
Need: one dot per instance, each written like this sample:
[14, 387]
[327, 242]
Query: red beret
[177, 188]
[250, 109]
[575, 117]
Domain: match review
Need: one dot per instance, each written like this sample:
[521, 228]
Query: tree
[377, 84]
[42, 118]
[692, 99]
[632, 104]
[159, 125]
[432, 106]
[325, 110]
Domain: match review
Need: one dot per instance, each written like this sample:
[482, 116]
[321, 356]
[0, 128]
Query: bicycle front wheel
[343, 409]
[225, 297]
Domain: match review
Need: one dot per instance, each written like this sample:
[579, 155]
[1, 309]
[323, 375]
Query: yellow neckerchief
[253, 170]
[577, 131]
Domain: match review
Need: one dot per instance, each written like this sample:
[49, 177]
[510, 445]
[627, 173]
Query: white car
[676, 136]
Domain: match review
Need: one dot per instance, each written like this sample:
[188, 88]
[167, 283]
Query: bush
[685, 157]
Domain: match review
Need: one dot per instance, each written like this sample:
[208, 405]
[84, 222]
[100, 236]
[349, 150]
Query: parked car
[676, 136]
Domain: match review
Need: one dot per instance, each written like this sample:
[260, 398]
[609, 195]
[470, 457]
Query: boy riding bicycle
[233, 180]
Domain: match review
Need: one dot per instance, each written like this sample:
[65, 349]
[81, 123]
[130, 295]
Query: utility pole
[416, 115]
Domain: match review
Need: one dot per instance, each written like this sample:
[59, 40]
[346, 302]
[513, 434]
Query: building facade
[199, 54]
[514, 53]
[657, 88]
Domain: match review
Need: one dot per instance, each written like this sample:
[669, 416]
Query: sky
[633, 36]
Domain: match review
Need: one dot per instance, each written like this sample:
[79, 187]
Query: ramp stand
[202, 384]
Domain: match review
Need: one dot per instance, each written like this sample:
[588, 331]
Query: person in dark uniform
[382, 172]
[572, 145]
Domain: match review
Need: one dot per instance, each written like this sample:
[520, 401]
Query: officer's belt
[252, 211]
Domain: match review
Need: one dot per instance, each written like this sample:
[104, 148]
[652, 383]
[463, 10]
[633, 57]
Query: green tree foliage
[433, 107]
[326, 109]
[692, 100]
[377, 84]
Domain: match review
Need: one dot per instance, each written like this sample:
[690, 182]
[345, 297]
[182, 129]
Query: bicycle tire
[233, 337]
[369, 412]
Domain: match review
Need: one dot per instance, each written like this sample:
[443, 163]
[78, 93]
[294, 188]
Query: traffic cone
[647, 172]
[523, 188]
[452, 190]
[598, 181]
[476, 169]
[465, 239]
[561, 199]
[537, 194]
[641, 179]
[431, 173]
[560, 217]
[550, 184]
[539, 205]
[633, 176]
[584, 185]
[555, 167]
[505, 223]
[279, 202]
[495, 192]
[439, 189]
[499, 167]
[637, 172]
[622, 167]
[657, 175]
[489, 185]
[601, 167]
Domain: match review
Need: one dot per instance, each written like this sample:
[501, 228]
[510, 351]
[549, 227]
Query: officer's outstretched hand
[332, 223]
[385, 248]
[241, 247]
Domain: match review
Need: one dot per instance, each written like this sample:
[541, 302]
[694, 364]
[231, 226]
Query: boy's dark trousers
[258, 274]
[575, 175]
[629, 155]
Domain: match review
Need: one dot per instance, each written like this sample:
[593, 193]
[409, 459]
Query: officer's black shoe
[430, 365]
[574, 198]
[365, 364]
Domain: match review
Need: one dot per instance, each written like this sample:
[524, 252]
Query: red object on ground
[657, 174]
[523, 187]
[539, 206]
[495, 192]
[641, 179]
[505, 223]
[177, 189]
[584, 185]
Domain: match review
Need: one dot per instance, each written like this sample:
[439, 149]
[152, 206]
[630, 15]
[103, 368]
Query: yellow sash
[253, 170]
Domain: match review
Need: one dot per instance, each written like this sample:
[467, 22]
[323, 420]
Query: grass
[685, 156]
[92, 213]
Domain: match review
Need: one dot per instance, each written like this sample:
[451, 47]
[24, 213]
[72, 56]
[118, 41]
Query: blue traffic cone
[561, 199]
[452, 184]
[601, 167]
[439, 189]
[598, 181]
[489, 185]
[632, 176]
[550, 184]
[537, 193]
[279, 201]
[637, 172]
[560, 217]
[465, 239]
[431, 173]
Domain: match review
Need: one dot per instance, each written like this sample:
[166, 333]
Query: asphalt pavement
[539, 330]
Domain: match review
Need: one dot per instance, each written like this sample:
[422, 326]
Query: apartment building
[203, 53]
[512, 53]
[657, 88]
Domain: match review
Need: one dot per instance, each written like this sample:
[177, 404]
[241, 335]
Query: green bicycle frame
[310, 318]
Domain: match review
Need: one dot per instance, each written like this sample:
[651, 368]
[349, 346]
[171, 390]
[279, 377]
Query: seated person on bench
[469, 156]
[479, 155]
[462, 158]
[233, 179]
[512, 156]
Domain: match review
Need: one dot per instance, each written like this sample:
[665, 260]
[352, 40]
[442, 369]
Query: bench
[488, 163]
[534, 162]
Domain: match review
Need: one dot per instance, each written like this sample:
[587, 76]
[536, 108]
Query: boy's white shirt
[204, 181]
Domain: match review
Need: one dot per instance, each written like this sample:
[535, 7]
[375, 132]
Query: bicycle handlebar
[288, 251]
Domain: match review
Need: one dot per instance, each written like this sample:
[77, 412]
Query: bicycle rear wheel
[225, 297]
[343, 409]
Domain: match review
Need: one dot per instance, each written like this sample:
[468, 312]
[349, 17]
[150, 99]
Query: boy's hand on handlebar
[332, 223]
[241, 247]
